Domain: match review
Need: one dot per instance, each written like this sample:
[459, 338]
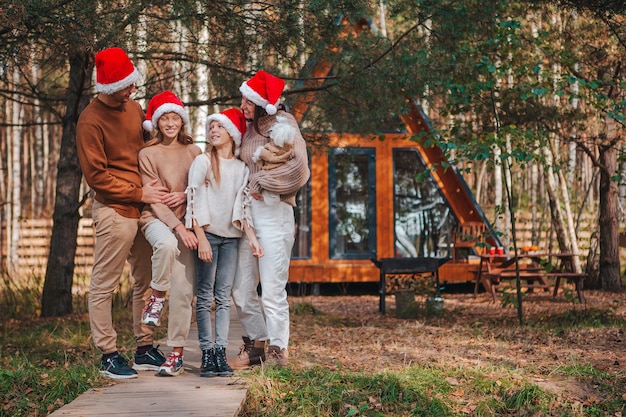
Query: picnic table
[494, 269]
[415, 265]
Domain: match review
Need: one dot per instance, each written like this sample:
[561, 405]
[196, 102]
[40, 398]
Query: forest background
[526, 98]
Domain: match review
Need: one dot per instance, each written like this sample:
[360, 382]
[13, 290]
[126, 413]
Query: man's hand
[152, 194]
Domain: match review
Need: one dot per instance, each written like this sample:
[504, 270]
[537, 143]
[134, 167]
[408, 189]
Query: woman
[167, 159]
[274, 225]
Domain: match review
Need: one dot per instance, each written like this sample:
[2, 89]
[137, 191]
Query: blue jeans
[215, 281]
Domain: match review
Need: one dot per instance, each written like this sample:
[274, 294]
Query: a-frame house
[364, 201]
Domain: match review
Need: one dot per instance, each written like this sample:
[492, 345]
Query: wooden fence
[35, 239]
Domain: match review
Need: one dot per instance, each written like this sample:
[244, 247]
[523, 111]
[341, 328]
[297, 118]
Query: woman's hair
[260, 112]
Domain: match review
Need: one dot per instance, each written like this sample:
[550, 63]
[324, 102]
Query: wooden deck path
[181, 396]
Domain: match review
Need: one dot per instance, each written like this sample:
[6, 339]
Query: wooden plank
[182, 396]
[173, 399]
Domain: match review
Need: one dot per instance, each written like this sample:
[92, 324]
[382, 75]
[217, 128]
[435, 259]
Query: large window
[302, 246]
[302, 212]
[352, 198]
[423, 220]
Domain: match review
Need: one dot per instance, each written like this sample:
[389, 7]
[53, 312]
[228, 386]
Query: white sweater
[219, 209]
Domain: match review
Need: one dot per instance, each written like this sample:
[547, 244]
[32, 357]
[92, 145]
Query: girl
[166, 159]
[217, 211]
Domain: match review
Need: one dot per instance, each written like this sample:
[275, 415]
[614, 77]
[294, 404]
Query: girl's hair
[215, 163]
[215, 160]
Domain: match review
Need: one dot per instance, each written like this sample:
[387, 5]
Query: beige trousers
[173, 269]
[117, 240]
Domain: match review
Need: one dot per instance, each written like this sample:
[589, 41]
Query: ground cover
[473, 359]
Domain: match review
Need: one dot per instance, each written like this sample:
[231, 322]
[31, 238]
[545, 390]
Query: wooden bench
[496, 276]
[575, 277]
[528, 276]
[405, 266]
[494, 269]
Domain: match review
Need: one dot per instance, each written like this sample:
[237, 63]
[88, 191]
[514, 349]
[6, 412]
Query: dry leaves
[472, 332]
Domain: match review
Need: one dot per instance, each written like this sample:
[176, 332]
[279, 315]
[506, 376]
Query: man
[109, 135]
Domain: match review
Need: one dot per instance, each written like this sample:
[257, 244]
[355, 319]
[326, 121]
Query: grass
[415, 391]
[320, 392]
[438, 389]
[46, 363]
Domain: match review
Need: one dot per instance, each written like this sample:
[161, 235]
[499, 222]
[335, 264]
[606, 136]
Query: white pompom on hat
[165, 102]
[233, 121]
[114, 71]
[263, 89]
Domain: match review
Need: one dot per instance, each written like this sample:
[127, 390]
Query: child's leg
[181, 298]
[227, 265]
[164, 253]
[205, 288]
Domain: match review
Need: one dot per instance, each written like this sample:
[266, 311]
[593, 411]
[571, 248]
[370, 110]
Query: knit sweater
[218, 208]
[286, 179]
[108, 140]
[169, 164]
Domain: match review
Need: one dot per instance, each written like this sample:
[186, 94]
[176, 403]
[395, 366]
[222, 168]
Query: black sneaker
[149, 361]
[117, 368]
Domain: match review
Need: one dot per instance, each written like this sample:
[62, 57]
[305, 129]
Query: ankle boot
[208, 367]
[252, 352]
[277, 356]
[257, 355]
[220, 362]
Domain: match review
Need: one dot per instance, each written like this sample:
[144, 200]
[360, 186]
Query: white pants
[274, 227]
[173, 269]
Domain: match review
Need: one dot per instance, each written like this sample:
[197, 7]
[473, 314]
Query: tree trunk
[567, 208]
[38, 169]
[498, 200]
[556, 213]
[15, 182]
[533, 189]
[608, 223]
[57, 290]
[592, 282]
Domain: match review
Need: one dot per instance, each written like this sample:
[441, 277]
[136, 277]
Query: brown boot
[252, 352]
[278, 356]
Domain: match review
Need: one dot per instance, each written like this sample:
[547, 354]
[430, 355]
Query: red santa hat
[233, 121]
[263, 89]
[114, 71]
[165, 102]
